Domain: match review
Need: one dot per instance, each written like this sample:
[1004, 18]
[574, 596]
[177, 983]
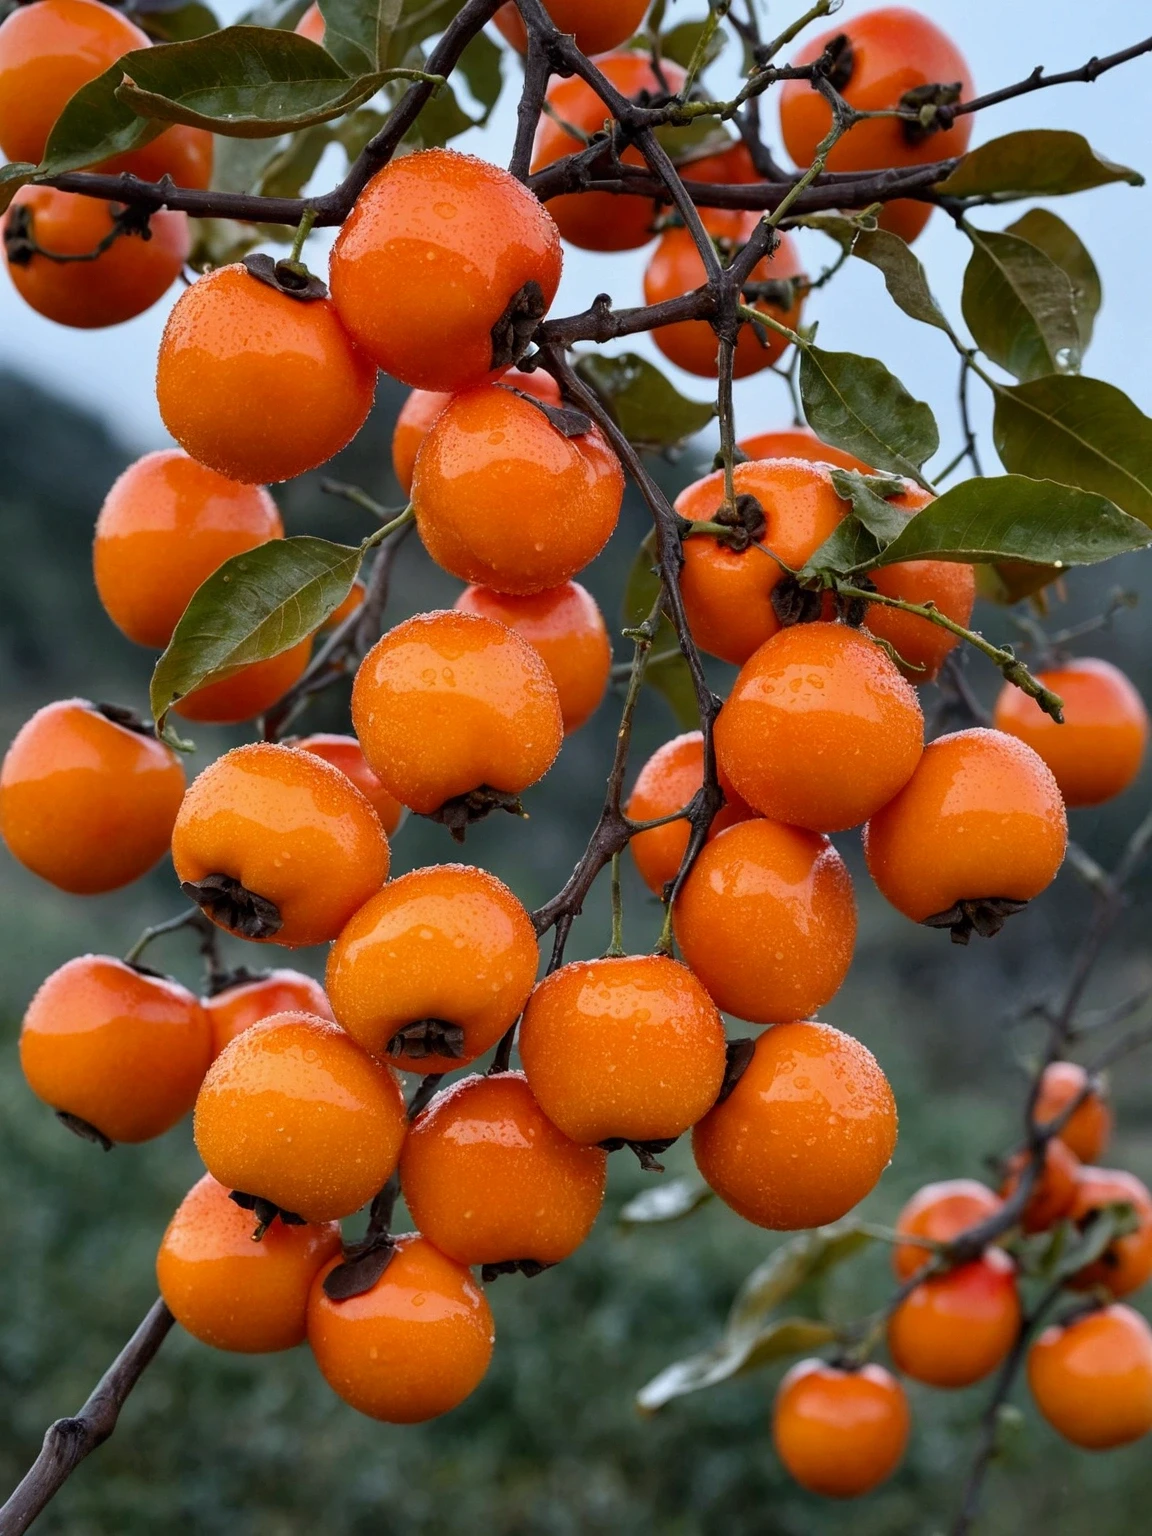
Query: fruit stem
[615, 950]
[303, 230]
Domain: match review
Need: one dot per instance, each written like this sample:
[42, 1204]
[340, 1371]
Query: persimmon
[955, 1329]
[443, 268]
[1098, 750]
[628, 1049]
[278, 845]
[567, 628]
[1091, 1377]
[806, 1132]
[86, 802]
[782, 898]
[504, 498]
[840, 1433]
[728, 592]
[423, 406]
[1054, 1189]
[676, 268]
[434, 968]
[731, 167]
[940, 1212]
[230, 1292]
[597, 25]
[244, 692]
[185, 153]
[920, 645]
[292, 1111]
[490, 1180]
[666, 783]
[244, 1003]
[413, 1346]
[1088, 1129]
[121, 1051]
[345, 753]
[811, 701]
[455, 707]
[601, 221]
[165, 526]
[311, 25]
[258, 385]
[124, 280]
[888, 57]
[1126, 1263]
[979, 824]
[799, 443]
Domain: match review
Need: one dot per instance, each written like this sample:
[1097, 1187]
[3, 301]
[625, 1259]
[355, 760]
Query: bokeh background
[551, 1443]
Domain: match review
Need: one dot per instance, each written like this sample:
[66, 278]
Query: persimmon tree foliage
[835, 562]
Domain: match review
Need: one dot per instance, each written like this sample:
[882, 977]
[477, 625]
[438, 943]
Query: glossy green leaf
[1037, 162]
[648, 409]
[667, 671]
[856, 404]
[1081, 432]
[177, 23]
[482, 65]
[679, 43]
[358, 33]
[670, 1200]
[686, 142]
[903, 273]
[12, 177]
[1019, 306]
[848, 548]
[255, 606]
[734, 1356]
[1063, 245]
[873, 522]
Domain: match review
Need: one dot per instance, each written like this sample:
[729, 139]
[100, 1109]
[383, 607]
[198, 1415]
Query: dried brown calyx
[233, 906]
[459, 813]
[291, 278]
[512, 333]
[984, 916]
[428, 1037]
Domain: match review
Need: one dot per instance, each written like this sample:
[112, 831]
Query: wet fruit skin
[728, 594]
[840, 1433]
[940, 1211]
[165, 526]
[668, 781]
[289, 827]
[1092, 1378]
[306, 387]
[1097, 752]
[820, 730]
[123, 1051]
[436, 250]
[567, 628]
[806, 1132]
[919, 643]
[676, 268]
[1126, 1264]
[230, 1292]
[423, 406]
[125, 280]
[411, 1348]
[293, 1111]
[783, 899]
[629, 1048]
[1089, 1127]
[504, 499]
[488, 1178]
[981, 817]
[1054, 1191]
[598, 26]
[895, 50]
[87, 804]
[448, 702]
[955, 1329]
[798, 443]
[448, 942]
[345, 753]
[600, 221]
[238, 1007]
[247, 692]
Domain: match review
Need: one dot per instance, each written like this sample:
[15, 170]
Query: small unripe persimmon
[840, 1433]
[955, 1329]
[244, 1003]
[666, 783]
[940, 1212]
[345, 753]
[1092, 1378]
[423, 406]
[1088, 1129]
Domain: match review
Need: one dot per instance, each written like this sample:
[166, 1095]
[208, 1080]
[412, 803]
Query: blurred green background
[550, 1444]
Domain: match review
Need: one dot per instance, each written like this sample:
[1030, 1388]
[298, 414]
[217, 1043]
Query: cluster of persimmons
[299, 1114]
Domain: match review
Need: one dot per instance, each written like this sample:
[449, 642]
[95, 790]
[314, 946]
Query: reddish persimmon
[731, 167]
[311, 25]
[345, 753]
[1126, 1263]
[1088, 1129]
[940, 1212]
[596, 24]
[1092, 1377]
[244, 1003]
[955, 1329]
[798, 443]
[667, 782]
[246, 692]
[1054, 1189]
[840, 1433]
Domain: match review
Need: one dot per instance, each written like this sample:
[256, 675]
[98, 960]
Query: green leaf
[668, 671]
[733, 1357]
[441, 119]
[355, 130]
[418, 20]
[357, 33]
[1019, 306]
[806, 1257]
[903, 273]
[254, 607]
[12, 178]
[856, 404]
[1038, 162]
[679, 43]
[648, 409]
[175, 23]
[685, 142]
[290, 171]
[1071, 1247]
[1064, 246]
[482, 65]
[869, 495]
[670, 1200]
[850, 547]
[238, 165]
[1013, 580]
[1081, 432]
[1009, 517]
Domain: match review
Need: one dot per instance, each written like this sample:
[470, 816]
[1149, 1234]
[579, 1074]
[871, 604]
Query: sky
[1003, 40]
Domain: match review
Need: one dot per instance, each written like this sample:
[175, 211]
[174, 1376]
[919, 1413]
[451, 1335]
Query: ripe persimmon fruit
[242, 693]
[840, 1433]
[245, 1002]
[1054, 1188]
[597, 25]
[666, 783]
[798, 443]
[1088, 1129]
[955, 1329]
[1091, 1377]
[346, 753]
[940, 1212]
[1126, 1263]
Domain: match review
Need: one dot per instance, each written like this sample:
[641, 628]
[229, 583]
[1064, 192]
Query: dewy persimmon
[597, 25]
[257, 385]
[434, 968]
[1088, 1128]
[666, 783]
[798, 443]
[443, 268]
[165, 526]
[939, 1212]
[504, 498]
[1091, 1377]
[278, 845]
[840, 1432]
[954, 1329]
[346, 753]
[806, 1132]
[246, 1002]
[87, 801]
[242, 693]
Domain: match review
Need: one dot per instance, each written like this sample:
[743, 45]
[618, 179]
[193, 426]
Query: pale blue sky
[111, 371]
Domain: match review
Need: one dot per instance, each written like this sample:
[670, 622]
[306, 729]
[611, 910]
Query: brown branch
[1039, 81]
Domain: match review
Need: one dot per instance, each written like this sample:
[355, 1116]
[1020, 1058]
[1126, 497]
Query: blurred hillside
[550, 1444]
